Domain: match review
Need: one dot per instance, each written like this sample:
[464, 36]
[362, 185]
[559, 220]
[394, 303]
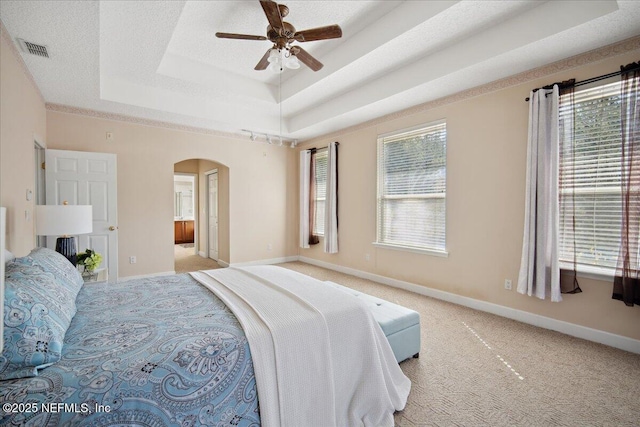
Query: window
[321, 190]
[412, 188]
[594, 186]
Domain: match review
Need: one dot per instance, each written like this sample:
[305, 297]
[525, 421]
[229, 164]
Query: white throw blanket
[320, 359]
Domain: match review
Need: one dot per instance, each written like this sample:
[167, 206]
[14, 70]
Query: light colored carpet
[478, 369]
[186, 260]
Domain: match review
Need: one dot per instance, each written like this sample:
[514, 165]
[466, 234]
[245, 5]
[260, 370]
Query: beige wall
[186, 166]
[22, 120]
[486, 157]
[146, 159]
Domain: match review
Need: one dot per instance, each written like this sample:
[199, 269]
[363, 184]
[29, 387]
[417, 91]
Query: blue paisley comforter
[160, 351]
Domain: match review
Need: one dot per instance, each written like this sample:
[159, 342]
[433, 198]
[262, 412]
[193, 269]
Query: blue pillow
[38, 309]
[55, 263]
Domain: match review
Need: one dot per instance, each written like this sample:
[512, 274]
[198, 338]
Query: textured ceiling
[160, 60]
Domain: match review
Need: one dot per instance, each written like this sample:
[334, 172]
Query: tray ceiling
[160, 60]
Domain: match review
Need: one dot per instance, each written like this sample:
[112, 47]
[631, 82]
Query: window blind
[592, 184]
[412, 188]
[321, 190]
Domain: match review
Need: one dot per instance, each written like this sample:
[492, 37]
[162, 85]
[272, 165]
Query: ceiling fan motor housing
[282, 37]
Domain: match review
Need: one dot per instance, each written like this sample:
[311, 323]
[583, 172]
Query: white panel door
[83, 178]
[213, 214]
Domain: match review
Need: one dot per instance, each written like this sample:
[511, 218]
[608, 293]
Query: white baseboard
[202, 254]
[590, 334]
[223, 264]
[142, 276]
[265, 261]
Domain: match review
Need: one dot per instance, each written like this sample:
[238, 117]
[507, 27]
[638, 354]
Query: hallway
[186, 260]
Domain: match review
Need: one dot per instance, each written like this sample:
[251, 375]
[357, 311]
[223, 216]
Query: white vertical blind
[594, 187]
[412, 187]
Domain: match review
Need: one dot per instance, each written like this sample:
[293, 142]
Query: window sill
[591, 272]
[434, 252]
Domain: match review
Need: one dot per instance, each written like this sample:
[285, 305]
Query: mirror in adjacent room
[183, 200]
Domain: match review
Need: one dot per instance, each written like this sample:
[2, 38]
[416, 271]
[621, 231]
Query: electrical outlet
[269, 246]
[507, 284]
[132, 260]
[367, 257]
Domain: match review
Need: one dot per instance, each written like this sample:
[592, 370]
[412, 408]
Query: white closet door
[213, 215]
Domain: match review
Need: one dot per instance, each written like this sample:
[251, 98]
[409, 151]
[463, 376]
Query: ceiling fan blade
[272, 11]
[320, 33]
[307, 59]
[263, 63]
[239, 36]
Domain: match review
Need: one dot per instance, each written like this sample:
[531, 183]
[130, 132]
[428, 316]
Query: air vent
[33, 48]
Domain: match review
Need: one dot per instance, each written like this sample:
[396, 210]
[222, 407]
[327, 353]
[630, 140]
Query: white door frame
[40, 191]
[206, 174]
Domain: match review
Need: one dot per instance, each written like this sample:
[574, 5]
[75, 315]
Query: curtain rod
[572, 83]
[322, 148]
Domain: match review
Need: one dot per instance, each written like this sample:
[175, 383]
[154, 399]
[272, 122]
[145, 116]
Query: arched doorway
[206, 251]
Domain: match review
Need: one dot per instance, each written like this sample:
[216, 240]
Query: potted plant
[89, 260]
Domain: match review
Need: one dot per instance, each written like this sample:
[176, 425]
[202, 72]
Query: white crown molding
[59, 108]
[7, 37]
[590, 334]
[592, 56]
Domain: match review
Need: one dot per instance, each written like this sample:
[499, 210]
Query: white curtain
[331, 203]
[305, 172]
[539, 267]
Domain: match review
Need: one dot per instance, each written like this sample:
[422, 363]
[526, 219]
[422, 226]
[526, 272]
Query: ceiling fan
[282, 34]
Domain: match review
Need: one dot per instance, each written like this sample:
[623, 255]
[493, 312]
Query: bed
[181, 350]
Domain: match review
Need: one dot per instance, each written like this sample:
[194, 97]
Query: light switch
[29, 195]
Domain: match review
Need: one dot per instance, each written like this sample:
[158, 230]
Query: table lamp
[65, 221]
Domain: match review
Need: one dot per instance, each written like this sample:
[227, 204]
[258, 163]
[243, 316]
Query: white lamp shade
[61, 220]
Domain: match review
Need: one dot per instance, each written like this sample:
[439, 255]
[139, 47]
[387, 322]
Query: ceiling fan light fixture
[292, 63]
[275, 67]
[281, 34]
[274, 56]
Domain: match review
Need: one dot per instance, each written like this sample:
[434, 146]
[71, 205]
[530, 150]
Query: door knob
[112, 228]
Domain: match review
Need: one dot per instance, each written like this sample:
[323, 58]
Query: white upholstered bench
[401, 325]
